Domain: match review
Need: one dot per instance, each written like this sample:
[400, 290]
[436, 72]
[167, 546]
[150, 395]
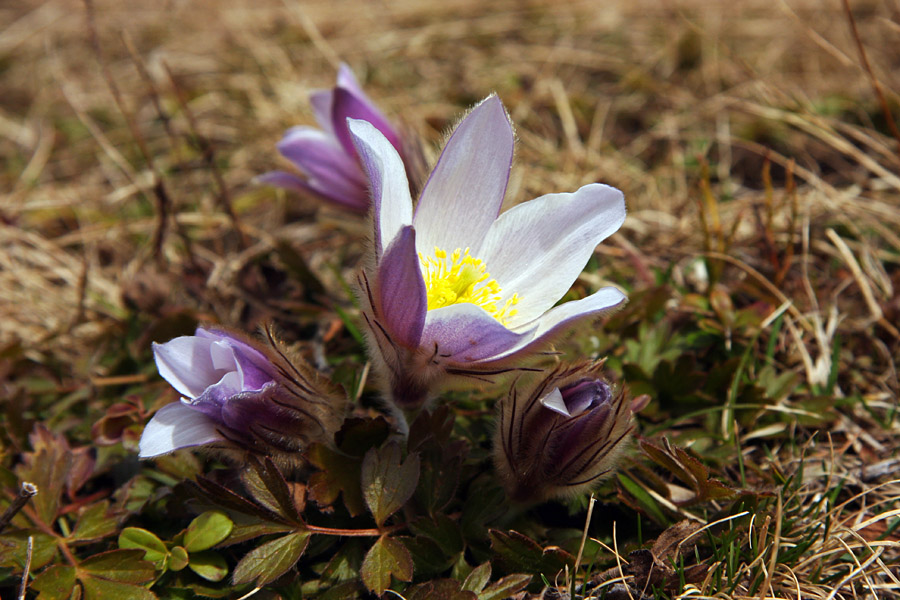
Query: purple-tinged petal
[465, 333]
[387, 176]
[464, 193]
[177, 426]
[554, 401]
[322, 101]
[566, 316]
[352, 198]
[347, 80]
[348, 106]
[186, 364]
[538, 248]
[316, 154]
[401, 290]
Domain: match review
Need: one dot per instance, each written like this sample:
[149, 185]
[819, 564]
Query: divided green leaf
[386, 558]
[387, 482]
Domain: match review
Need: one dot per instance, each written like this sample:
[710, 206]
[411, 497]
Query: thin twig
[888, 117]
[29, 549]
[26, 491]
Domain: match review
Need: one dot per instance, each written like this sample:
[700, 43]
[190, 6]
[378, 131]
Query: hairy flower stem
[354, 532]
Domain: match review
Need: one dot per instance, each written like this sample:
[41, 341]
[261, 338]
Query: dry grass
[748, 134]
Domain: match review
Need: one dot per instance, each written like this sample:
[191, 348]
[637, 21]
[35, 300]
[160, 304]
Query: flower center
[464, 279]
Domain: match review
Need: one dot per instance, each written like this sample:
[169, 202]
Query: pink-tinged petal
[177, 426]
[554, 401]
[186, 364]
[465, 333]
[348, 106]
[565, 316]
[401, 290]
[537, 249]
[387, 177]
[464, 193]
[322, 101]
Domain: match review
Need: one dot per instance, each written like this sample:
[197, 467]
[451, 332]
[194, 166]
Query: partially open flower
[457, 287]
[238, 394]
[561, 437]
[326, 156]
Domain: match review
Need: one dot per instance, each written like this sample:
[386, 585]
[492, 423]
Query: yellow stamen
[465, 279]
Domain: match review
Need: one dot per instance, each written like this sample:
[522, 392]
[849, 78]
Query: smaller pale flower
[236, 394]
[561, 437]
[326, 156]
[459, 288]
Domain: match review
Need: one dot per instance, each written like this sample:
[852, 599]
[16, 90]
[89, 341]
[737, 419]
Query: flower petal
[186, 364]
[554, 401]
[387, 176]
[177, 426]
[316, 154]
[401, 290]
[566, 316]
[464, 193]
[538, 248]
[465, 333]
[355, 199]
[350, 106]
[322, 101]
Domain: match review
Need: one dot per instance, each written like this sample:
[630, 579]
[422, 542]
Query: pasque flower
[561, 436]
[237, 393]
[326, 156]
[458, 288]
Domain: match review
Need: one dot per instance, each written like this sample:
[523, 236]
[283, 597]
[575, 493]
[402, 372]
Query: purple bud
[237, 393]
[561, 437]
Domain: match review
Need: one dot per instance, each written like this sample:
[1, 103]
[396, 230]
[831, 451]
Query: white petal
[464, 193]
[387, 177]
[185, 363]
[537, 249]
[554, 401]
[563, 317]
[177, 426]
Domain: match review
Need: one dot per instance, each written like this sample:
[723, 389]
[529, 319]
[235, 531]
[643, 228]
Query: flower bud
[561, 437]
[239, 394]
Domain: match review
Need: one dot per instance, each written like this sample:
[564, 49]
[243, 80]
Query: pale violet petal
[347, 80]
[401, 290]
[321, 102]
[186, 364]
[177, 426]
[387, 176]
[565, 316]
[464, 193]
[538, 248]
[554, 401]
[465, 333]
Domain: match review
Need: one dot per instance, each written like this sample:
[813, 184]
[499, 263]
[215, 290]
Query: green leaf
[13, 547]
[55, 583]
[338, 474]
[135, 537]
[94, 523]
[209, 565]
[517, 552]
[387, 557]
[207, 530]
[268, 487]
[387, 483]
[271, 560]
[126, 566]
[439, 589]
[178, 558]
[644, 499]
[102, 589]
[505, 588]
[46, 467]
[478, 578]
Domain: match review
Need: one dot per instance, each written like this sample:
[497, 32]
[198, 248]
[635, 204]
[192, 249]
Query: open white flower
[458, 287]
